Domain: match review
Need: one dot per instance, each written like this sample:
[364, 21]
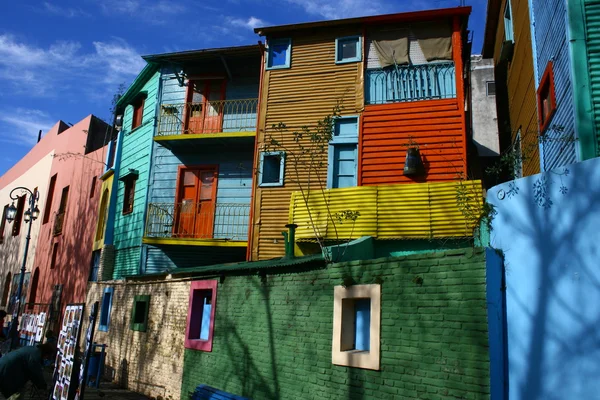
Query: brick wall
[273, 336]
[148, 362]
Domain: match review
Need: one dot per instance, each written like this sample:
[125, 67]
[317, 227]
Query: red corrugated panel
[435, 125]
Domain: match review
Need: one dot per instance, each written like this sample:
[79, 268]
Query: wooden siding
[428, 210]
[135, 154]
[436, 125]
[521, 83]
[298, 96]
[552, 44]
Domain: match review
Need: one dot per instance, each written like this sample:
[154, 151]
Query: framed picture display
[68, 340]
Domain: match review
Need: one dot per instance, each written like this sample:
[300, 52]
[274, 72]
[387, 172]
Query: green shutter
[139, 313]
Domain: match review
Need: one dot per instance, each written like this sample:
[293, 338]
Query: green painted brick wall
[273, 336]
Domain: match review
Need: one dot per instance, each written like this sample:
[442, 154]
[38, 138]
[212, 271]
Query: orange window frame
[546, 98]
[129, 195]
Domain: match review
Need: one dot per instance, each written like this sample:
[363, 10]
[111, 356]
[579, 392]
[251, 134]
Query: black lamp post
[32, 213]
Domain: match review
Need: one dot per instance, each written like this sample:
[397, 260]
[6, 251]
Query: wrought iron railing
[208, 117]
[58, 223]
[410, 83]
[198, 221]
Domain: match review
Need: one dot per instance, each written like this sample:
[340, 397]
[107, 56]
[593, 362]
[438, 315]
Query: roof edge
[492, 16]
[149, 69]
[397, 17]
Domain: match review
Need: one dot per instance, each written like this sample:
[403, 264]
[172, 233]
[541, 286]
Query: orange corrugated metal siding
[435, 125]
[521, 84]
[299, 96]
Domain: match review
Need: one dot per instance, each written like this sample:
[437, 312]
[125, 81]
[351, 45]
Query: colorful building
[508, 41]
[63, 168]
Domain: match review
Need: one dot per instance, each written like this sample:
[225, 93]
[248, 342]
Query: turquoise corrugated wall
[592, 16]
[135, 154]
[558, 142]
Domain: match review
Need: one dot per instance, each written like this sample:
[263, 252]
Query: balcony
[58, 224]
[197, 224]
[401, 211]
[410, 83]
[215, 119]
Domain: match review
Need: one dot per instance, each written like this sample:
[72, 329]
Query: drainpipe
[290, 240]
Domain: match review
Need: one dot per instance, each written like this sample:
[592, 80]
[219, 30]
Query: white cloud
[21, 126]
[62, 65]
[64, 11]
[343, 8]
[250, 23]
[155, 12]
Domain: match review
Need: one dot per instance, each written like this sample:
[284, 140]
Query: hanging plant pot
[413, 166]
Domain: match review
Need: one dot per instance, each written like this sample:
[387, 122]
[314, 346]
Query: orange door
[204, 109]
[195, 207]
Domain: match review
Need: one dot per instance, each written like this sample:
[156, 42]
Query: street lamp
[32, 213]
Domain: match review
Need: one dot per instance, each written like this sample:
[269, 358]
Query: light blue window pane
[346, 127]
[105, 309]
[206, 309]
[347, 49]
[271, 169]
[362, 336]
[344, 165]
[278, 54]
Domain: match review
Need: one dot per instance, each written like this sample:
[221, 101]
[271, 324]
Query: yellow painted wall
[99, 236]
[418, 211]
[521, 84]
[301, 95]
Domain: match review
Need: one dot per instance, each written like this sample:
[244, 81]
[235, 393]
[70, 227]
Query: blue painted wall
[551, 252]
[551, 43]
[238, 89]
[135, 154]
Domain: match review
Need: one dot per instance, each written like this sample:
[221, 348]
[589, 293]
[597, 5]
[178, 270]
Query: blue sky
[65, 59]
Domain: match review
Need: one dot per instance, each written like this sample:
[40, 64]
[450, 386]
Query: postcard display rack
[68, 339]
[31, 328]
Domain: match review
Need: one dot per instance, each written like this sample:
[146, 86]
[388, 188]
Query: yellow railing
[425, 210]
[207, 117]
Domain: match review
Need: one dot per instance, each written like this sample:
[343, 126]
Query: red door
[195, 207]
[204, 109]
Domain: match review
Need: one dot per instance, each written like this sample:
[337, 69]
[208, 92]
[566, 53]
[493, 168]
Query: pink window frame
[199, 344]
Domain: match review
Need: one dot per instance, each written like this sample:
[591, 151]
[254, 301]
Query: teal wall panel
[551, 44]
[135, 154]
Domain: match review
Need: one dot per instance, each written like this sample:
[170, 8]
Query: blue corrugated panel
[160, 259]
[558, 144]
[592, 16]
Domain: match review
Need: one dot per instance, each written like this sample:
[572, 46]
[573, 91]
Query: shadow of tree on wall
[551, 288]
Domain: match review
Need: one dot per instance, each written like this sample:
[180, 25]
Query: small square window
[546, 98]
[490, 88]
[348, 49]
[356, 326]
[201, 315]
[105, 311]
[279, 53]
[271, 169]
[139, 313]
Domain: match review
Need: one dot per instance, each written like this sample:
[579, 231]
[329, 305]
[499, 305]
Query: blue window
[105, 311]
[343, 153]
[356, 324]
[279, 53]
[508, 23]
[348, 49]
[271, 169]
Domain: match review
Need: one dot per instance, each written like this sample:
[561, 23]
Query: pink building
[64, 168]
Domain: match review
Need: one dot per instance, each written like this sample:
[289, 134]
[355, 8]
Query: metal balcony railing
[410, 83]
[218, 116]
[198, 221]
[58, 223]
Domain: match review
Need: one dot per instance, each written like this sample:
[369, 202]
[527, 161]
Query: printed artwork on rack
[31, 328]
[67, 345]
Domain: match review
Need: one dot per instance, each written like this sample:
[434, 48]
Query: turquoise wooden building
[201, 158]
[566, 61]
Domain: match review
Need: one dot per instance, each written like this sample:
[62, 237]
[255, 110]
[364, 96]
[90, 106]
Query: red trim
[460, 87]
[198, 344]
[254, 159]
[546, 84]
[360, 150]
